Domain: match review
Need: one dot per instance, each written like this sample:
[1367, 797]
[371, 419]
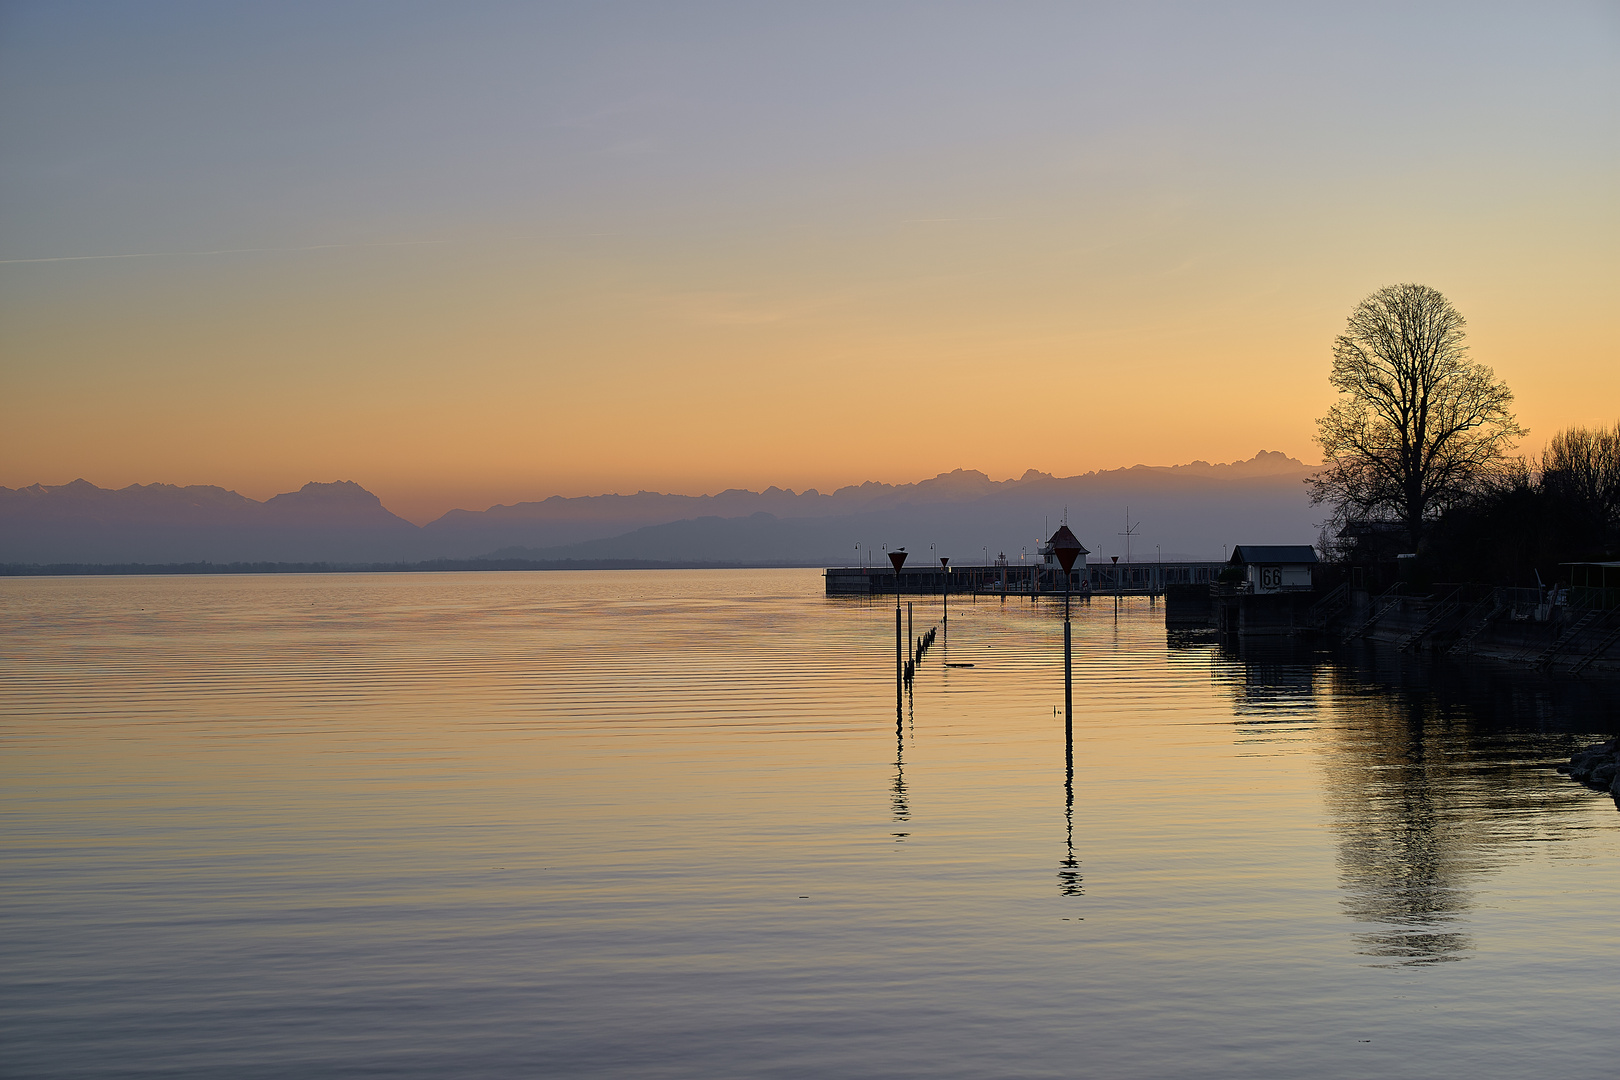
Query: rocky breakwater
[1597, 766]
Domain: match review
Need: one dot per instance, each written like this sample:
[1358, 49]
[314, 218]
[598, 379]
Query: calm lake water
[663, 824]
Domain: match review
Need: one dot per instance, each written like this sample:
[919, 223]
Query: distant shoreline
[430, 566]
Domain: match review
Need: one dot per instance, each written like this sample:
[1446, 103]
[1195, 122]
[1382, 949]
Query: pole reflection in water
[1069, 880]
[898, 804]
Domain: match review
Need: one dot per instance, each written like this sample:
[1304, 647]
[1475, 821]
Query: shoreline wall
[1516, 626]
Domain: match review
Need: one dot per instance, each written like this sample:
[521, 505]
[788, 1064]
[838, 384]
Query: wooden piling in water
[899, 656]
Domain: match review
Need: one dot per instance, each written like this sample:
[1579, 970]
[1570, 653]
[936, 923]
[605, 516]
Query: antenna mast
[1130, 531]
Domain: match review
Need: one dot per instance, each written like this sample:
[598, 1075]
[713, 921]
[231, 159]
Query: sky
[482, 252]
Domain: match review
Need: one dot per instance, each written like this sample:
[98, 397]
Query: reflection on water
[638, 824]
[1408, 843]
[901, 809]
[1069, 879]
[1430, 780]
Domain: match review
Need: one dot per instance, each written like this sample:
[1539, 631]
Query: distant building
[1048, 554]
[1275, 568]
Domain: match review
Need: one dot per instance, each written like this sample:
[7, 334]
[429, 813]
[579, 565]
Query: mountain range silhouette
[1185, 511]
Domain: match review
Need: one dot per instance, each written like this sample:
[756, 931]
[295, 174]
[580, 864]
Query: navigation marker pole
[1066, 546]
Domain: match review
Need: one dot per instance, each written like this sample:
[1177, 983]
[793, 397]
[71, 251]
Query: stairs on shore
[1600, 648]
[1475, 622]
[1439, 614]
[1380, 607]
[1322, 612]
[1545, 660]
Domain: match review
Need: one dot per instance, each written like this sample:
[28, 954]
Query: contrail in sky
[221, 251]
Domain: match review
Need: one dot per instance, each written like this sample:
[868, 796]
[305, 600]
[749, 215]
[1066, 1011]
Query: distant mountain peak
[80, 522]
[336, 493]
[1266, 462]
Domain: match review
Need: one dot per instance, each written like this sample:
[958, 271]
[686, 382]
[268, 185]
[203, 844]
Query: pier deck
[1020, 579]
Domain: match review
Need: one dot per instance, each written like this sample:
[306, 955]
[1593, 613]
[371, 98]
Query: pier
[1020, 579]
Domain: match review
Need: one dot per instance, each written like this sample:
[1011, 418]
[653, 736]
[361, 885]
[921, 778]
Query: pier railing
[1020, 578]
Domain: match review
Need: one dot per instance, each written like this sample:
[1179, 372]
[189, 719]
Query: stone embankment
[1597, 766]
[1529, 627]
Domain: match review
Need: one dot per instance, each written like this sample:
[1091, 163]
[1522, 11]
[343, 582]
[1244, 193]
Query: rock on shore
[1597, 766]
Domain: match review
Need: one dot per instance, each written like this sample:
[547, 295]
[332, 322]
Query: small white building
[1275, 568]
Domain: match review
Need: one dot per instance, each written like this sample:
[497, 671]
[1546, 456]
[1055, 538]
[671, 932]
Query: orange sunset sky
[467, 254]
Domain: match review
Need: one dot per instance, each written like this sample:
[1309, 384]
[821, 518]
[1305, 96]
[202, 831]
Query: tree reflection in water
[1435, 773]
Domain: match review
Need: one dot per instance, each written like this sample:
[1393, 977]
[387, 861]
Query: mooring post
[910, 633]
[1116, 585]
[898, 559]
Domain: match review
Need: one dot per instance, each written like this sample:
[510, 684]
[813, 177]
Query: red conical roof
[1067, 547]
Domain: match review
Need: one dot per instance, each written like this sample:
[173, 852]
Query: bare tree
[1583, 468]
[1418, 425]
